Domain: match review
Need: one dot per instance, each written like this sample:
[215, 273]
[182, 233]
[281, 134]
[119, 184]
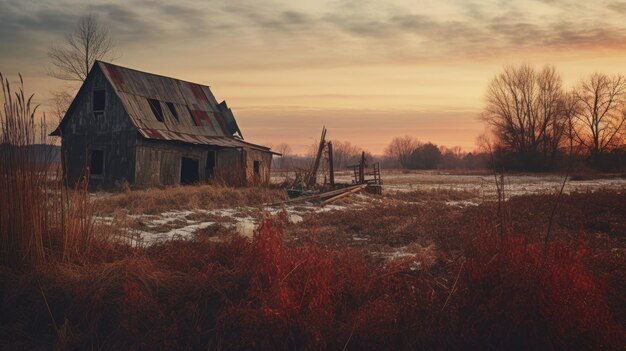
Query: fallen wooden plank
[342, 195]
[317, 196]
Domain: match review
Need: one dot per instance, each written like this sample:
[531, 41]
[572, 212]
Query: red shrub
[520, 293]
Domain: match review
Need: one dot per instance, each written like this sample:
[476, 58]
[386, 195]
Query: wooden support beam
[312, 176]
[342, 195]
[362, 169]
[316, 196]
[331, 166]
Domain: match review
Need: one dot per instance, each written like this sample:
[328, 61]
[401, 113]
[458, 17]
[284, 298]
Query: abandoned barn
[147, 129]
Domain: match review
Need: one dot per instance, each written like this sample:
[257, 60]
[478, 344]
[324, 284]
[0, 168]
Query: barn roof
[165, 108]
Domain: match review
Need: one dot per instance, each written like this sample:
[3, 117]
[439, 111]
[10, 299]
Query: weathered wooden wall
[159, 162]
[113, 133]
[230, 167]
[265, 159]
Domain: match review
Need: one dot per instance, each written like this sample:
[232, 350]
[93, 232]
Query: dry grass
[155, 201]
[429, 195]
[459, 287]
[40, 219]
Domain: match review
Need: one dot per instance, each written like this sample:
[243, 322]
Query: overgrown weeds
[207, 196]
[269, 293]
[40, 219]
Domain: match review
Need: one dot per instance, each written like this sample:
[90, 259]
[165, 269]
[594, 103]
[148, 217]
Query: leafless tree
[401, 148]
[60, 102]
[345, 154]
[525, 109]
[285, 150]
[90, 41]
[600, 123]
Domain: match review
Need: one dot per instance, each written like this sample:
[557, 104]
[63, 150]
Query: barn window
[172, 109]
[98, 102]
[257, 167]
[96, 162]
[155, 106]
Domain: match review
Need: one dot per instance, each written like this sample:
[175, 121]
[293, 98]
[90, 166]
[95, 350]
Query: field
[435, 262]
[159, 215]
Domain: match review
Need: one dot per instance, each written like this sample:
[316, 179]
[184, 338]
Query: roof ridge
[150, 73]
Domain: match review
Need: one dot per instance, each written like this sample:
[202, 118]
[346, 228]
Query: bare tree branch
[601, 121]
[526, 112]
[401, 148]
[90, 41]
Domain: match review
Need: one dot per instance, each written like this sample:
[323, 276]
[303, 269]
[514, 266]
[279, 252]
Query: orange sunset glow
[367, 70]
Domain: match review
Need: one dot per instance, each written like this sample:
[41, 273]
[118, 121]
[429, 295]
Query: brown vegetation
[206, 196]
[40, 219]
[291, 287]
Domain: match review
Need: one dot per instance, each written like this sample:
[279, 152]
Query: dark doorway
[257, 167]
[96, 162]
[210, 164]
[188, 171]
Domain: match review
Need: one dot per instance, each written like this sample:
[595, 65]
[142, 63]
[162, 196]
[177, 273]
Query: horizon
[367, 71]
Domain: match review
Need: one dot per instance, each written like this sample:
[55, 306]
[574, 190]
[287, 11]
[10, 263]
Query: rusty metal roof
[191, 114]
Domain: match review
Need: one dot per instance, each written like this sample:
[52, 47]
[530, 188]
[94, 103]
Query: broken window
[172, 109]
[257, 167]
[99, 99]
[155, 106]
[98, 102]
[96, 162]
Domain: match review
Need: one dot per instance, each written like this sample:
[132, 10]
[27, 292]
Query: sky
[367, 70]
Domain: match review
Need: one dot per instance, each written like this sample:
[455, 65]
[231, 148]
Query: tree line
[402, 152]
[536, 124]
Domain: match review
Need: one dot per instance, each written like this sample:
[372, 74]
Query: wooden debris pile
[305, 187]
[324, 198]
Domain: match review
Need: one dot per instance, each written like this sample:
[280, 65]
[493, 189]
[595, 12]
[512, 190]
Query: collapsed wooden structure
[305, 187]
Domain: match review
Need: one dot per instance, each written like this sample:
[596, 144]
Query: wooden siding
[112, 132]
[159, 162]
[230, 167]
[265, 159]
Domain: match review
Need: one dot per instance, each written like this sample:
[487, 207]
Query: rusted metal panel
[134, 88]
[116, 76]
[229, 119]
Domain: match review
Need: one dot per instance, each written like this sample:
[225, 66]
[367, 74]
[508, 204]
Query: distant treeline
[403, 152]
[533, 124]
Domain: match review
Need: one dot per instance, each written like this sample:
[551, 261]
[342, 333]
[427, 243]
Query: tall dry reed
[40, 219]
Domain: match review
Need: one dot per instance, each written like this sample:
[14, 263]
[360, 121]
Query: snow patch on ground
[186, 232]
[183, 224]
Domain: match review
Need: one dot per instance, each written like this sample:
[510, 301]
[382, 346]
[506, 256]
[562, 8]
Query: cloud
[333, 33]
[618, 6]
